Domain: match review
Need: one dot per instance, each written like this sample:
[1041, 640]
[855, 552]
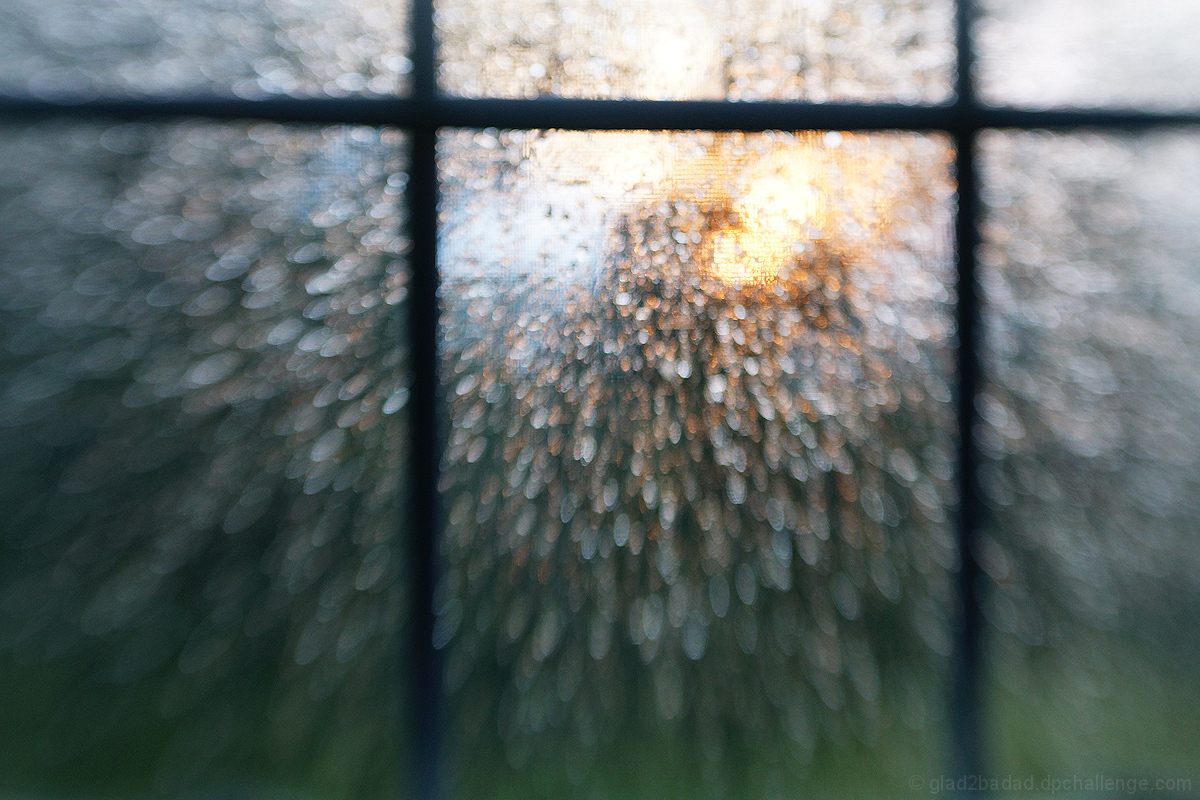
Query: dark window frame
[425, 110]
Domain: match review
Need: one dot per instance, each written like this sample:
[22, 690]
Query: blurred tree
[683, 506]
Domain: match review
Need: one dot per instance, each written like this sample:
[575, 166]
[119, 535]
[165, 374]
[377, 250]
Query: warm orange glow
[780, 201]
[747, 256]
[766, 198]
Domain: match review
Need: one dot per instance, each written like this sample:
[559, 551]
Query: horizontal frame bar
[573, 114]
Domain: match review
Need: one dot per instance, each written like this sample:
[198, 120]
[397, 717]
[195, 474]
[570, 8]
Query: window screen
[554, 399]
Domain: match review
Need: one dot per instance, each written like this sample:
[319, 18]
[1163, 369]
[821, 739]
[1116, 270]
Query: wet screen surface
[818, 51]
[1087, 53]
[202, 383]
[699, 460]
[247, 48]
[1090, 429]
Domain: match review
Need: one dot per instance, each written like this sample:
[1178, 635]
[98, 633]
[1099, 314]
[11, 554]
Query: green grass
[66, 736]
[1133, 718]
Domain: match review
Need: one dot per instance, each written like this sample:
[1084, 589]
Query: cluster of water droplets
[250, 48]
[671, 499]
[819, 51]
[1089, 424]
[203, 366]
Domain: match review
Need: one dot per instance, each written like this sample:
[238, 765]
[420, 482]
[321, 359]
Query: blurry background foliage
[204, 463]
[247, 48]
[814, 50]
[1090, 435]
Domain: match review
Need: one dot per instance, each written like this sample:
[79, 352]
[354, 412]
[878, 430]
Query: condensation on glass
[1089, 437]
[699, 460]
[250, 48]
[813, 50]
[202, 383]
[1123, 53]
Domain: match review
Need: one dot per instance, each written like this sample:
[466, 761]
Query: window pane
[1090, 433]
[1126, 53]
[201, 383]
[899, 50]
[699, 460]
[251, 48]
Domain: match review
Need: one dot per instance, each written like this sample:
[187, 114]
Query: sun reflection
[768, 224]
[749, 255]
[765, 199]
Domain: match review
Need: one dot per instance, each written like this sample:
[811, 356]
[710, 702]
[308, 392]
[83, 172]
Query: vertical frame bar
[425, 512]
[965, 708]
